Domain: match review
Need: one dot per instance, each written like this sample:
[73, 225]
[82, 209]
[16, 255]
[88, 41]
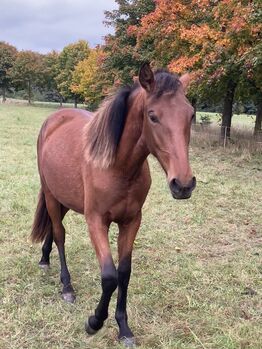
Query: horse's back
[63, 117]
[61, 154]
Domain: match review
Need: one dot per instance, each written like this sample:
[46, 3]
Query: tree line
[51, 73]
[218, 42]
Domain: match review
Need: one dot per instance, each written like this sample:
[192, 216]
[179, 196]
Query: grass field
[238, 120]
[197, 269]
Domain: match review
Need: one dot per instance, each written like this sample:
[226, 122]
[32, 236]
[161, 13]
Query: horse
[96, 164]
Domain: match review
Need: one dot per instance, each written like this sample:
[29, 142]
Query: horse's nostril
[175, 186]
[181, 191]
[193, 183]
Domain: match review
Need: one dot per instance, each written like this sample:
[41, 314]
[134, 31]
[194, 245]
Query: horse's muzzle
[180, 191]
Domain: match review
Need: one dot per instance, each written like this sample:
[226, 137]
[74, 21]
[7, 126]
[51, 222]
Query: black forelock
[165, 82]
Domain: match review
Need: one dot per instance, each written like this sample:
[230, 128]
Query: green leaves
[68, 59]
[123, 57]
[7, 59]
[27, 71]
[87, 80]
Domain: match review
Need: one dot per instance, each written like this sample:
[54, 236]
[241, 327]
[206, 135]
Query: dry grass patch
[241, 142]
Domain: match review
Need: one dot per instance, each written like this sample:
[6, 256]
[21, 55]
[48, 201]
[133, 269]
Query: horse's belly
[65, 185]
[61, 158]
[64, 181]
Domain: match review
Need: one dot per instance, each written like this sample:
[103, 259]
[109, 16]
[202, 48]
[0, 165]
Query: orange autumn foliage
[200, 35]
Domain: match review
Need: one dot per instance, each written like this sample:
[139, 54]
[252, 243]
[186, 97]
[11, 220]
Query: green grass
[197, 269]
[238, 120]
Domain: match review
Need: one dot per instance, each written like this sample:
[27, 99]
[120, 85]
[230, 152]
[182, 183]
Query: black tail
[42, 223]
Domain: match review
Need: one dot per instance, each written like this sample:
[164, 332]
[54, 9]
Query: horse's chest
[126, 207]
[121, 200]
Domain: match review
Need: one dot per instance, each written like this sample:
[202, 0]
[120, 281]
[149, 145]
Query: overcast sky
[43, 25]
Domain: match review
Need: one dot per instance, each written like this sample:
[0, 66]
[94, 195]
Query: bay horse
[95, 164]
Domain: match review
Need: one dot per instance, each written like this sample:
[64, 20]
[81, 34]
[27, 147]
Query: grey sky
[43, 25]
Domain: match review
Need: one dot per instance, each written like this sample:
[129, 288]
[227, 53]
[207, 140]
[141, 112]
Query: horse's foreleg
[99, 237]
[56, 214]
[127, 234]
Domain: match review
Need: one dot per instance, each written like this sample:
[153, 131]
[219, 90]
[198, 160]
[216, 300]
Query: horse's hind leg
[47, 245]
[56, 213]
[46, 250]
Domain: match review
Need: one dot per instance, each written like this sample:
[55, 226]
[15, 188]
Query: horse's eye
[153, 117]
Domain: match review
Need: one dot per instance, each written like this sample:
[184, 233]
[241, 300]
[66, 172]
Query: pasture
[197, 271]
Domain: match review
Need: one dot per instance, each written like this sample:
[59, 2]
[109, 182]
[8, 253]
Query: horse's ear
[185, 81]
[146, 77]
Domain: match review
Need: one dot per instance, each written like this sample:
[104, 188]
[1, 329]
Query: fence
[240, 136]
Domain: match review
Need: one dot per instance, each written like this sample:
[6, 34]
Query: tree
[50, 72]
[87, 80]
[27, 71]
[206, 37]
[123, 58]
[7, 59]
[68, 59]
[252, 61]
[258, 122]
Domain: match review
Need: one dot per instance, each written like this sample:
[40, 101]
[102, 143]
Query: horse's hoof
[128, 342]
[44, 266]
[89, 330]
[69, 297]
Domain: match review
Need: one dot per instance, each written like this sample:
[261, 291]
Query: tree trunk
[61, 101]
[194, 105]
[227, 111]
[4, 94]
[29, 92]
[258, 123]
[75, 104]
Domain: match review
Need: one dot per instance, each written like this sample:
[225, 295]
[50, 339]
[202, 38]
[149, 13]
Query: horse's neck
[132, 148]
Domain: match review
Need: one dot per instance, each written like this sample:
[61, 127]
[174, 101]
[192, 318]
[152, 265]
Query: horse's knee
[109, 280]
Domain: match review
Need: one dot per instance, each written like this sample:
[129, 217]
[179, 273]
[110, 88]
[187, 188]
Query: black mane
[118, 114]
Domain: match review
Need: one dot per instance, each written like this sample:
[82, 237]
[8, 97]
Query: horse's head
[167, 122]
